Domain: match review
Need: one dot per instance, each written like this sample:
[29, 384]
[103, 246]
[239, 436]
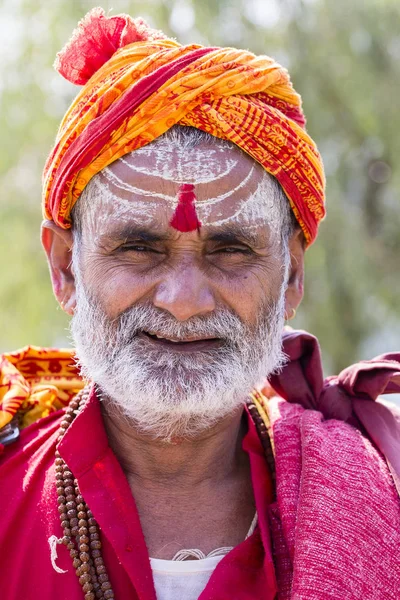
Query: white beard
[170, 394]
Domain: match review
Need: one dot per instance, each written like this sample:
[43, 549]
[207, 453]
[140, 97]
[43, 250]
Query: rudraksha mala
[80, 529]
[264, 433]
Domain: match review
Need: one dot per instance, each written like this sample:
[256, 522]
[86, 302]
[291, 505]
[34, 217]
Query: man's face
[177, 327]
[132, 255]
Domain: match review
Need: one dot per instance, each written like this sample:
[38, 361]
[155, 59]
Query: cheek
[116, 286]
[247, 292]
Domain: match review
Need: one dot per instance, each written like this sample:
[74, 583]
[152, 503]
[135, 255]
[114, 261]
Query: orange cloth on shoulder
[138, 84]
[35, 382]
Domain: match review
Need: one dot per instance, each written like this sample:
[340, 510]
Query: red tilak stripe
[185, 217]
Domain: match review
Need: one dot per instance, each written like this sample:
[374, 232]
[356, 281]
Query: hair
[190, 137]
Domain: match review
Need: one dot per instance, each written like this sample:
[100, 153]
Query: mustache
[223, 324]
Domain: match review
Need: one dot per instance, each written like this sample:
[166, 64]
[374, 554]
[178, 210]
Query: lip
[189, 345]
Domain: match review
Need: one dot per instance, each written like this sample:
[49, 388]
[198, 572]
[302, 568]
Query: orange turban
[138, 84]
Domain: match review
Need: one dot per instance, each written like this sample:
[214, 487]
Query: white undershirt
[182, 579]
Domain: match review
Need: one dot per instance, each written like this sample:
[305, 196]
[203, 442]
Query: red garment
[28, 505]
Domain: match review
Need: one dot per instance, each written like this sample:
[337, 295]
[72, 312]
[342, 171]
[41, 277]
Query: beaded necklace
[81, 533]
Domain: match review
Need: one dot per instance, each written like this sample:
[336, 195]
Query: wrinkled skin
[130, 254]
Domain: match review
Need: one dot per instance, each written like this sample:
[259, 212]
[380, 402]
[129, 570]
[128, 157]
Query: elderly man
[179, 200]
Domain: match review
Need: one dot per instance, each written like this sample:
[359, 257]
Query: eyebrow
[229, 234]
[131, 231]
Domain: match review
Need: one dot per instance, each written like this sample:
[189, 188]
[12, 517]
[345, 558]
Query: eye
[234, 250]
[135, 248]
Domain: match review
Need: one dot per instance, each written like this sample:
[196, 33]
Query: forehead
[143, 186]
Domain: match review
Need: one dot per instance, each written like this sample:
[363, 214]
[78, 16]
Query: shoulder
[26, 462]
[335, 492]
[330, 453]
[36, 384]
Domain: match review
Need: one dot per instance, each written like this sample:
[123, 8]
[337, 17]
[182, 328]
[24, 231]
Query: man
[179, 200]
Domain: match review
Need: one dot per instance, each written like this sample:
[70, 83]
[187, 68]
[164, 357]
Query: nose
[185, 292]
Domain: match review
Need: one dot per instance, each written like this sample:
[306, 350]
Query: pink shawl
[336, 522]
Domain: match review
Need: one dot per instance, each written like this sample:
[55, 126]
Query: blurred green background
[344, 58]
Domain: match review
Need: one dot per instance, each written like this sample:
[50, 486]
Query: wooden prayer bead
[106, 586]
[100, 569]
[77, 520]
[95, 544]
[84, 556]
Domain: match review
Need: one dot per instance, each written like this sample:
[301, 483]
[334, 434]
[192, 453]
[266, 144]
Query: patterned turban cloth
[137, 84]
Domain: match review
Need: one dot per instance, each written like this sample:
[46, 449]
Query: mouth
[190, 344]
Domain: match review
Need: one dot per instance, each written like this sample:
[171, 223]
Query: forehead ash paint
[229, 186]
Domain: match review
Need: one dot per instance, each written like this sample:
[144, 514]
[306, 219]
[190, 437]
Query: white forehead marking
[127, 187]
[183, 165]
[259, 208]
[123, 208]
[173, 163]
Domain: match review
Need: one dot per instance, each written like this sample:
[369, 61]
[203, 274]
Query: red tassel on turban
[138, 84]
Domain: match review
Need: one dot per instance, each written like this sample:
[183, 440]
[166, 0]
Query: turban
[137, 84]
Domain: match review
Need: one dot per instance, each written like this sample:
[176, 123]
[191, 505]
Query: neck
[210, 456]
[200, 488]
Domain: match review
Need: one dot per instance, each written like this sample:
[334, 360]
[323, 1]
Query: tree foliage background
[344, 58]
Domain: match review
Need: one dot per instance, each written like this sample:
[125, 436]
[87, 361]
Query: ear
[57, 244]
[295, 289]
